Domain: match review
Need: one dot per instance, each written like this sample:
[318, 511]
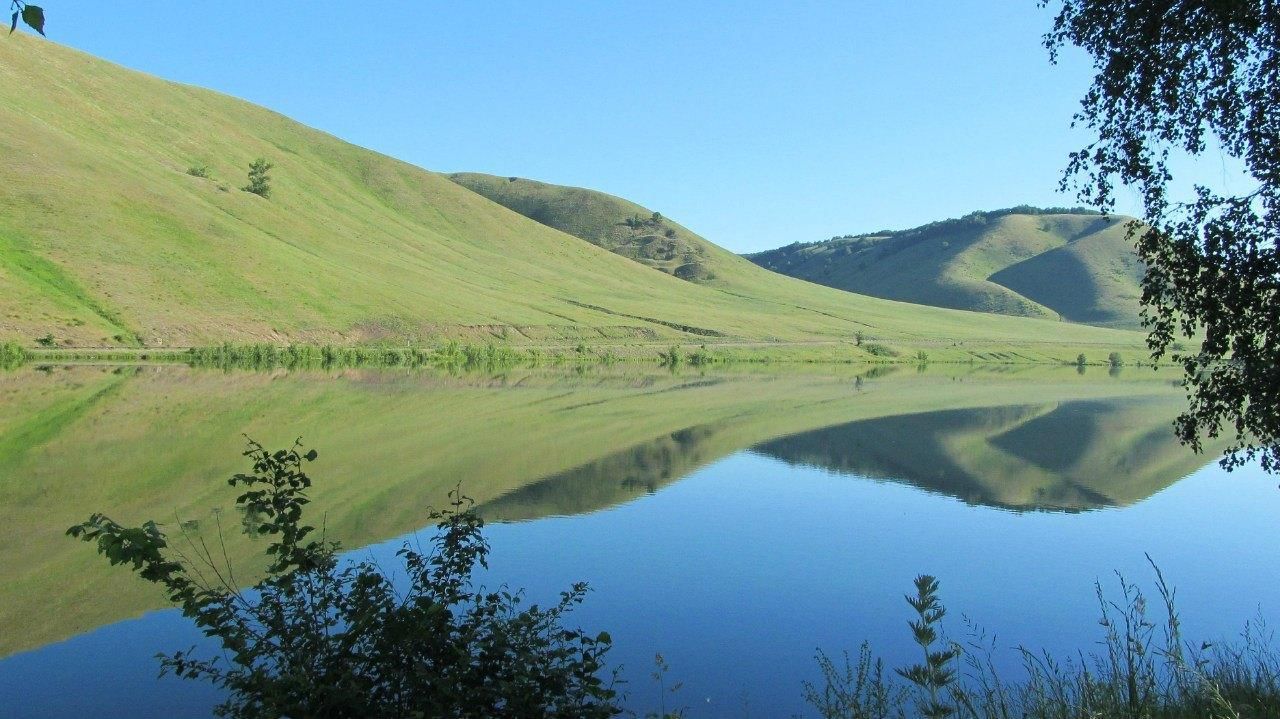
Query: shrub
[46, 341]
[672, 357]
[11, 355]
[1115, 360]
[323, 637]
[670, 233]
[259, 180]
[701, 356]
[879, 350]
[200, 171]
[1081, 360]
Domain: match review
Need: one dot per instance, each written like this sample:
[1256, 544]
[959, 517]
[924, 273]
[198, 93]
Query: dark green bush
[320, 637]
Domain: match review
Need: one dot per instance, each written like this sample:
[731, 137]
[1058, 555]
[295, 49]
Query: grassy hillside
[106, 239]
[159, 442]
[617, 225]
[1068, 264]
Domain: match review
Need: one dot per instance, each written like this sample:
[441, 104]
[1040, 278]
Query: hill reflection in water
[1061, 456]
[160, 442]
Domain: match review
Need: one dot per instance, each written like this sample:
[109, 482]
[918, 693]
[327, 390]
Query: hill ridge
[1073, 264]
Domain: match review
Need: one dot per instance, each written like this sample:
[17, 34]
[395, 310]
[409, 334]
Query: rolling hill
[1074, 265]
[108, 239]
[617, 225]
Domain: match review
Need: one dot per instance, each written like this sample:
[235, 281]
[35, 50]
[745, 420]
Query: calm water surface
[732, 523]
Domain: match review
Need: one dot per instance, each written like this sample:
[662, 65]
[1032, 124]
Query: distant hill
[1055, 263]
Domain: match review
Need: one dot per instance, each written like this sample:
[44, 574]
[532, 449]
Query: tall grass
[1145, 669]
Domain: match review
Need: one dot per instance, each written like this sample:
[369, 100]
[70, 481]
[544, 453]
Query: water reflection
[1066, 456]
[160, 442]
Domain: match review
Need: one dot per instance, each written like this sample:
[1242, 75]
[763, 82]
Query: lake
[732, 521]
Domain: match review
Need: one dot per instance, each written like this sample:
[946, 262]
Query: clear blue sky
[754, 123]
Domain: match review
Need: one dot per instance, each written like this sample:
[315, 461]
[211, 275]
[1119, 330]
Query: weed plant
[1145, 669]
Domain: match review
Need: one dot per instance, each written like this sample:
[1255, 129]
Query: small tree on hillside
[259, 180]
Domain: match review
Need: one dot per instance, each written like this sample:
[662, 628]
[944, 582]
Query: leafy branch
[31, 15]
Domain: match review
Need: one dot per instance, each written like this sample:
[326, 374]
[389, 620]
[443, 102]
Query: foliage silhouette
[1180, 77]
[321, 637]
[1145, 669]
[31, 15]
[936, 673]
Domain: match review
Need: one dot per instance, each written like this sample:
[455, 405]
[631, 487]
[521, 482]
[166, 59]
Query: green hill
[1070, 264]
[617, 225]
[108, 239]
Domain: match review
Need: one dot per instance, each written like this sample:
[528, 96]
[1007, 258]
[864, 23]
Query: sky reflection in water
[737, 565]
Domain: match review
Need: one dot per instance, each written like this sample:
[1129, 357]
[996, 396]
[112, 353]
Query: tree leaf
[14, 25]
[33, 15]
